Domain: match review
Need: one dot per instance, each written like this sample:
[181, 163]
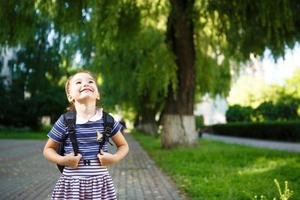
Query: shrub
[237, 113]
[282, 131]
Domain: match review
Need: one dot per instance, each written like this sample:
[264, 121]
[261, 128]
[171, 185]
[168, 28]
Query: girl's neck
[85, 111]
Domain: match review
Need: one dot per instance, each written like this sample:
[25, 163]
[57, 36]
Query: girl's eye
[91, 81]
[78, 82]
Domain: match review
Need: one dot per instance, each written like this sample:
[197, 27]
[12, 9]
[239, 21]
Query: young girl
[85, 176]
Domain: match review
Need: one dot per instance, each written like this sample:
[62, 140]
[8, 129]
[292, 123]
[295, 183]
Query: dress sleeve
[58, 131]
[116, 128]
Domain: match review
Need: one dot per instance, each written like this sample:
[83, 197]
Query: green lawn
[30, 135]
[215, 170]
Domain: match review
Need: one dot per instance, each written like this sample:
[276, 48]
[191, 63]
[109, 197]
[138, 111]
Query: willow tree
[137, 77]
[109, 45]
[241, 28]
[204, 37]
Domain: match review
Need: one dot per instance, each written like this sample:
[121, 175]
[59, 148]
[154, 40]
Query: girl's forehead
[82, 75]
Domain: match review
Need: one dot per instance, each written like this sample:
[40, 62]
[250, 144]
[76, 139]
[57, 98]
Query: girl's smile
[87, 89]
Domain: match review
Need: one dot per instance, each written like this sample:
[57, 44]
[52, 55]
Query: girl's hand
[70, 160]
[106, 158]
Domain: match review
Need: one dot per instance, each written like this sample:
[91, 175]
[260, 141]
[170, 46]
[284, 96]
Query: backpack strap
[70, 121]
[108, 123]
[108, 126]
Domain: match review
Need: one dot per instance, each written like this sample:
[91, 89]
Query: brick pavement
[25, 174]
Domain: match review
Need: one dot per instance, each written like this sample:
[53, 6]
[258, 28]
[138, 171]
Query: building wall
[5, 56]
[212, 110]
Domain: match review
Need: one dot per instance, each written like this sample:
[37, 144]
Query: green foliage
[133, 60]
[18, 21]
[124, 42]
[270, 103]
[237, 113]
[215, 170]
[280, 111]
[68, 16]
[250, 91]
[266, 111]
[285, 109]
[128, 12]
[271, 24]
[199, 121]
[285, 195]
[34, 91]
[292, 86]
[213, 62]
[140, 66]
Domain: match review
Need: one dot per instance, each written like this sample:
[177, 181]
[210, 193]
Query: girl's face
[82, 87]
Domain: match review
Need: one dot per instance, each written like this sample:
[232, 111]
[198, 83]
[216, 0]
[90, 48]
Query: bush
[282, 131]
[237, 113]
[284, 109]
[281, 111]
[266, 112]
[199, 121]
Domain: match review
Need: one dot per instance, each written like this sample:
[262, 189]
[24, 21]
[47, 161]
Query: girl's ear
[70, 99]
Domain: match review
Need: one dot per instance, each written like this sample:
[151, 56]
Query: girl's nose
[85, 84]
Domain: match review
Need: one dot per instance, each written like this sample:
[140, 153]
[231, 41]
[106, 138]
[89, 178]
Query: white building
[6, 55]
[212, 110]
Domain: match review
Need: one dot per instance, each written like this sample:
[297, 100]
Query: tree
[248, 27]
[36, 70]
[137, 78]
[178, 120]
[252, 27]
[202, 36]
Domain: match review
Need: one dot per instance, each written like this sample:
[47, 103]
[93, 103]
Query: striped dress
[89, 180]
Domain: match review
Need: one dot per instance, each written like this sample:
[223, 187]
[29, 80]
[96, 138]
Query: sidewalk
[287, 146]
[25, 174]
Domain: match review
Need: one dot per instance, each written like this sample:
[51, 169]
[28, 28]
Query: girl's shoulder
[60, 120]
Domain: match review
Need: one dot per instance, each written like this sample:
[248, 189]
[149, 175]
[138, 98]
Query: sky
[260, 73]
[276, 73]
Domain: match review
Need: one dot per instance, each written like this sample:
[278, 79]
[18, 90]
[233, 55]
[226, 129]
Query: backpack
[70, 121]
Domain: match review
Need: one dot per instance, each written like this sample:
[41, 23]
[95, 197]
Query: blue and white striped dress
[88, 181]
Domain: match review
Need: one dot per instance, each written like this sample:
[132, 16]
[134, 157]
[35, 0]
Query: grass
[23, 134]
[215, 170]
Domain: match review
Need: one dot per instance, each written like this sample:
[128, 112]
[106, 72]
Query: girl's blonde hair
[71, 107]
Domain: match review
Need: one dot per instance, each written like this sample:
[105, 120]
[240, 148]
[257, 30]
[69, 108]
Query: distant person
[123, 123]
[85, 175]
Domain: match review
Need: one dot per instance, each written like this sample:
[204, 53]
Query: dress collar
[97, 116]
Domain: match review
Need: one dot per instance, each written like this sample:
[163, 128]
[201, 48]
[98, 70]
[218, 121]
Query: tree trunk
[178, 119]
[146, 118]
[147, 123]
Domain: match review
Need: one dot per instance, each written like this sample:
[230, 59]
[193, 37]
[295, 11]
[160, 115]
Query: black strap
[108, 123]
[70, 120]
[108, 126]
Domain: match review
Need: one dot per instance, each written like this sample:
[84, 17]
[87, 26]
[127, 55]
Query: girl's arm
[122, 150]
[51, 155]
[122, 146]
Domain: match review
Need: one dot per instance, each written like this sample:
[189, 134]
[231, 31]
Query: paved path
[25, 174]
[293, 147]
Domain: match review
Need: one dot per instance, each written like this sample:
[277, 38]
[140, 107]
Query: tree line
[155, 58]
